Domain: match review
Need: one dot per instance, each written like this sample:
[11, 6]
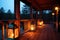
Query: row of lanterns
[13, 31]
[33, 25]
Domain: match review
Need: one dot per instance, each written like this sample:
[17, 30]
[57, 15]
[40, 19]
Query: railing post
[57, 21]
[6, 30]
[2, 31]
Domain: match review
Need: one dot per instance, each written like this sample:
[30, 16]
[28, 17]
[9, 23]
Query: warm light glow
[41, 23]
[10, 33]
[32, 27]
[53, 14]
[56, 8]
[16, 33]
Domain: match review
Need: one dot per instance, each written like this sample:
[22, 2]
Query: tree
[9, 11]
[2, 11]
[9, 14]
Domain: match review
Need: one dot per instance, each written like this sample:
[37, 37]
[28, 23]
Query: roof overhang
[41, 4]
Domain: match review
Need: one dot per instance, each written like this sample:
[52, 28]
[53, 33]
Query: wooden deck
[45, 33]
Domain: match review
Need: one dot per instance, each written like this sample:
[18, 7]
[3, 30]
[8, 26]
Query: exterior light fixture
[56, 8]
[53, 14]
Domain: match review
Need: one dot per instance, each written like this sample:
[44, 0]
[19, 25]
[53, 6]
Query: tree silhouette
[6, 15]
[9, 11]
[2, 11]
[9, 14]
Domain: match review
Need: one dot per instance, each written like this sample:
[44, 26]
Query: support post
[17, 14]
[56, 20]
[17, 9]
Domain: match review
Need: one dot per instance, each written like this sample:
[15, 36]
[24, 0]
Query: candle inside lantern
[41, 23]
[10, 33]
[32, 27]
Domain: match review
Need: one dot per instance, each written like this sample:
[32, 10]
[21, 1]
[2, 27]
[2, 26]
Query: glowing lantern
[32, 27]
[53, 14]
[41, 23]
[12, 31]
[16, 32]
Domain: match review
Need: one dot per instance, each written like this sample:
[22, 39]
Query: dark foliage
[6, 16]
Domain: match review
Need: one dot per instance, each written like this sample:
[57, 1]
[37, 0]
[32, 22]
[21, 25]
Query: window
[47, 11]
[24, 9]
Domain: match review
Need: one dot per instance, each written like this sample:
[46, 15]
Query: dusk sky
[7, 4]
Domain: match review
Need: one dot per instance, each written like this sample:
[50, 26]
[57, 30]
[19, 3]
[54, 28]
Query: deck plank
[46, 33]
